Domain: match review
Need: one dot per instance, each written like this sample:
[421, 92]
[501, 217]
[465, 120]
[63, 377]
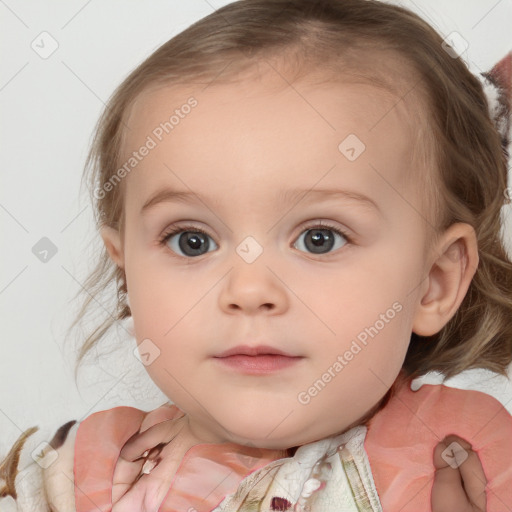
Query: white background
[49, 108]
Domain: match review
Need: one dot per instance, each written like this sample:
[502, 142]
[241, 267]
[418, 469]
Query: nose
[252, 288]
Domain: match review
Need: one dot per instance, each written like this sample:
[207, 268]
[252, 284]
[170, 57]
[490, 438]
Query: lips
[253, 351]
[260, 360]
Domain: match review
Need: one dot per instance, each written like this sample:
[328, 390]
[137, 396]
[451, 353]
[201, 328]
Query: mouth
[246, 350]
[256, 360]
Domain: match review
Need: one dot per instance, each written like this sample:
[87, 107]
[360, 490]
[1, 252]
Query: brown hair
[457, 142]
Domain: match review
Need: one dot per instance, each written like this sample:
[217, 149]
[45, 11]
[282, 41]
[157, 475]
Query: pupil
[191, 242]
[320, 239]
[194, 242]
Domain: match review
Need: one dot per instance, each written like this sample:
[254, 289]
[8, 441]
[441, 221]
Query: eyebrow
[283, 197]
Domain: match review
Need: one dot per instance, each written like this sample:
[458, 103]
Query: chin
[261, 434]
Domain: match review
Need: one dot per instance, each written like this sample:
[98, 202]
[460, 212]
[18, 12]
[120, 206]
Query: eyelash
[326, 225]
[318, 225]
[173, 231]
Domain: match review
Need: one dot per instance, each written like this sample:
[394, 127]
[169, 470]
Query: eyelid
[323, 224]
[174, 229]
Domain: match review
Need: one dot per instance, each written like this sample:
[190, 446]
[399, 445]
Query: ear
[113, 244]
[448, 280]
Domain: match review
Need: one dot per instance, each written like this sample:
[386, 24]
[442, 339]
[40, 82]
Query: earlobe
[448, 279]
[112, 240]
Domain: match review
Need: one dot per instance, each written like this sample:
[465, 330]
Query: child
[300, 204]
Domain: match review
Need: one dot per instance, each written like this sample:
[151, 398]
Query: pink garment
[402, 436]
[206, 475]
[399, 443]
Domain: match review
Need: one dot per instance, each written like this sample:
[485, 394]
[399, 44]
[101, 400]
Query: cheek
[370, 310]
[165, 308]
[354, 296]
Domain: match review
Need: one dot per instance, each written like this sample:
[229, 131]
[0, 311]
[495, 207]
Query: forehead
[265, 132]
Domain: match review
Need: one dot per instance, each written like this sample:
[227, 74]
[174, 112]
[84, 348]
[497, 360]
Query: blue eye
[319, 238]
[192, 240]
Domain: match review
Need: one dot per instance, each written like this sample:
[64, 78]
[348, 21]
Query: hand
[460, 488]
[146, 466]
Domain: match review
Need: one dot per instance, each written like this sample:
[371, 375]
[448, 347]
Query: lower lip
[258, 364]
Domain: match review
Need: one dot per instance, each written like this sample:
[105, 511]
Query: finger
[133, 455]
[140, 442]
[130, 501]
[475, 481]
[461, 487]
[470, 469]
[125, 475]
[166, 411]
[148, 491]
[448, 495]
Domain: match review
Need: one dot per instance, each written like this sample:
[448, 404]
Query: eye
[192, 241]
[319, 238]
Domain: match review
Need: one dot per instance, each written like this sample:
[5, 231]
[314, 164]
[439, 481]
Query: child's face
[347, 308]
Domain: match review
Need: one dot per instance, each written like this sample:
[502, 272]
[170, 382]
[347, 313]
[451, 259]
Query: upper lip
[253, 351]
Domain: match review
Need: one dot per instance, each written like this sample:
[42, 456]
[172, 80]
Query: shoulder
[40, 469]
[479, 380]
[474, 405]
